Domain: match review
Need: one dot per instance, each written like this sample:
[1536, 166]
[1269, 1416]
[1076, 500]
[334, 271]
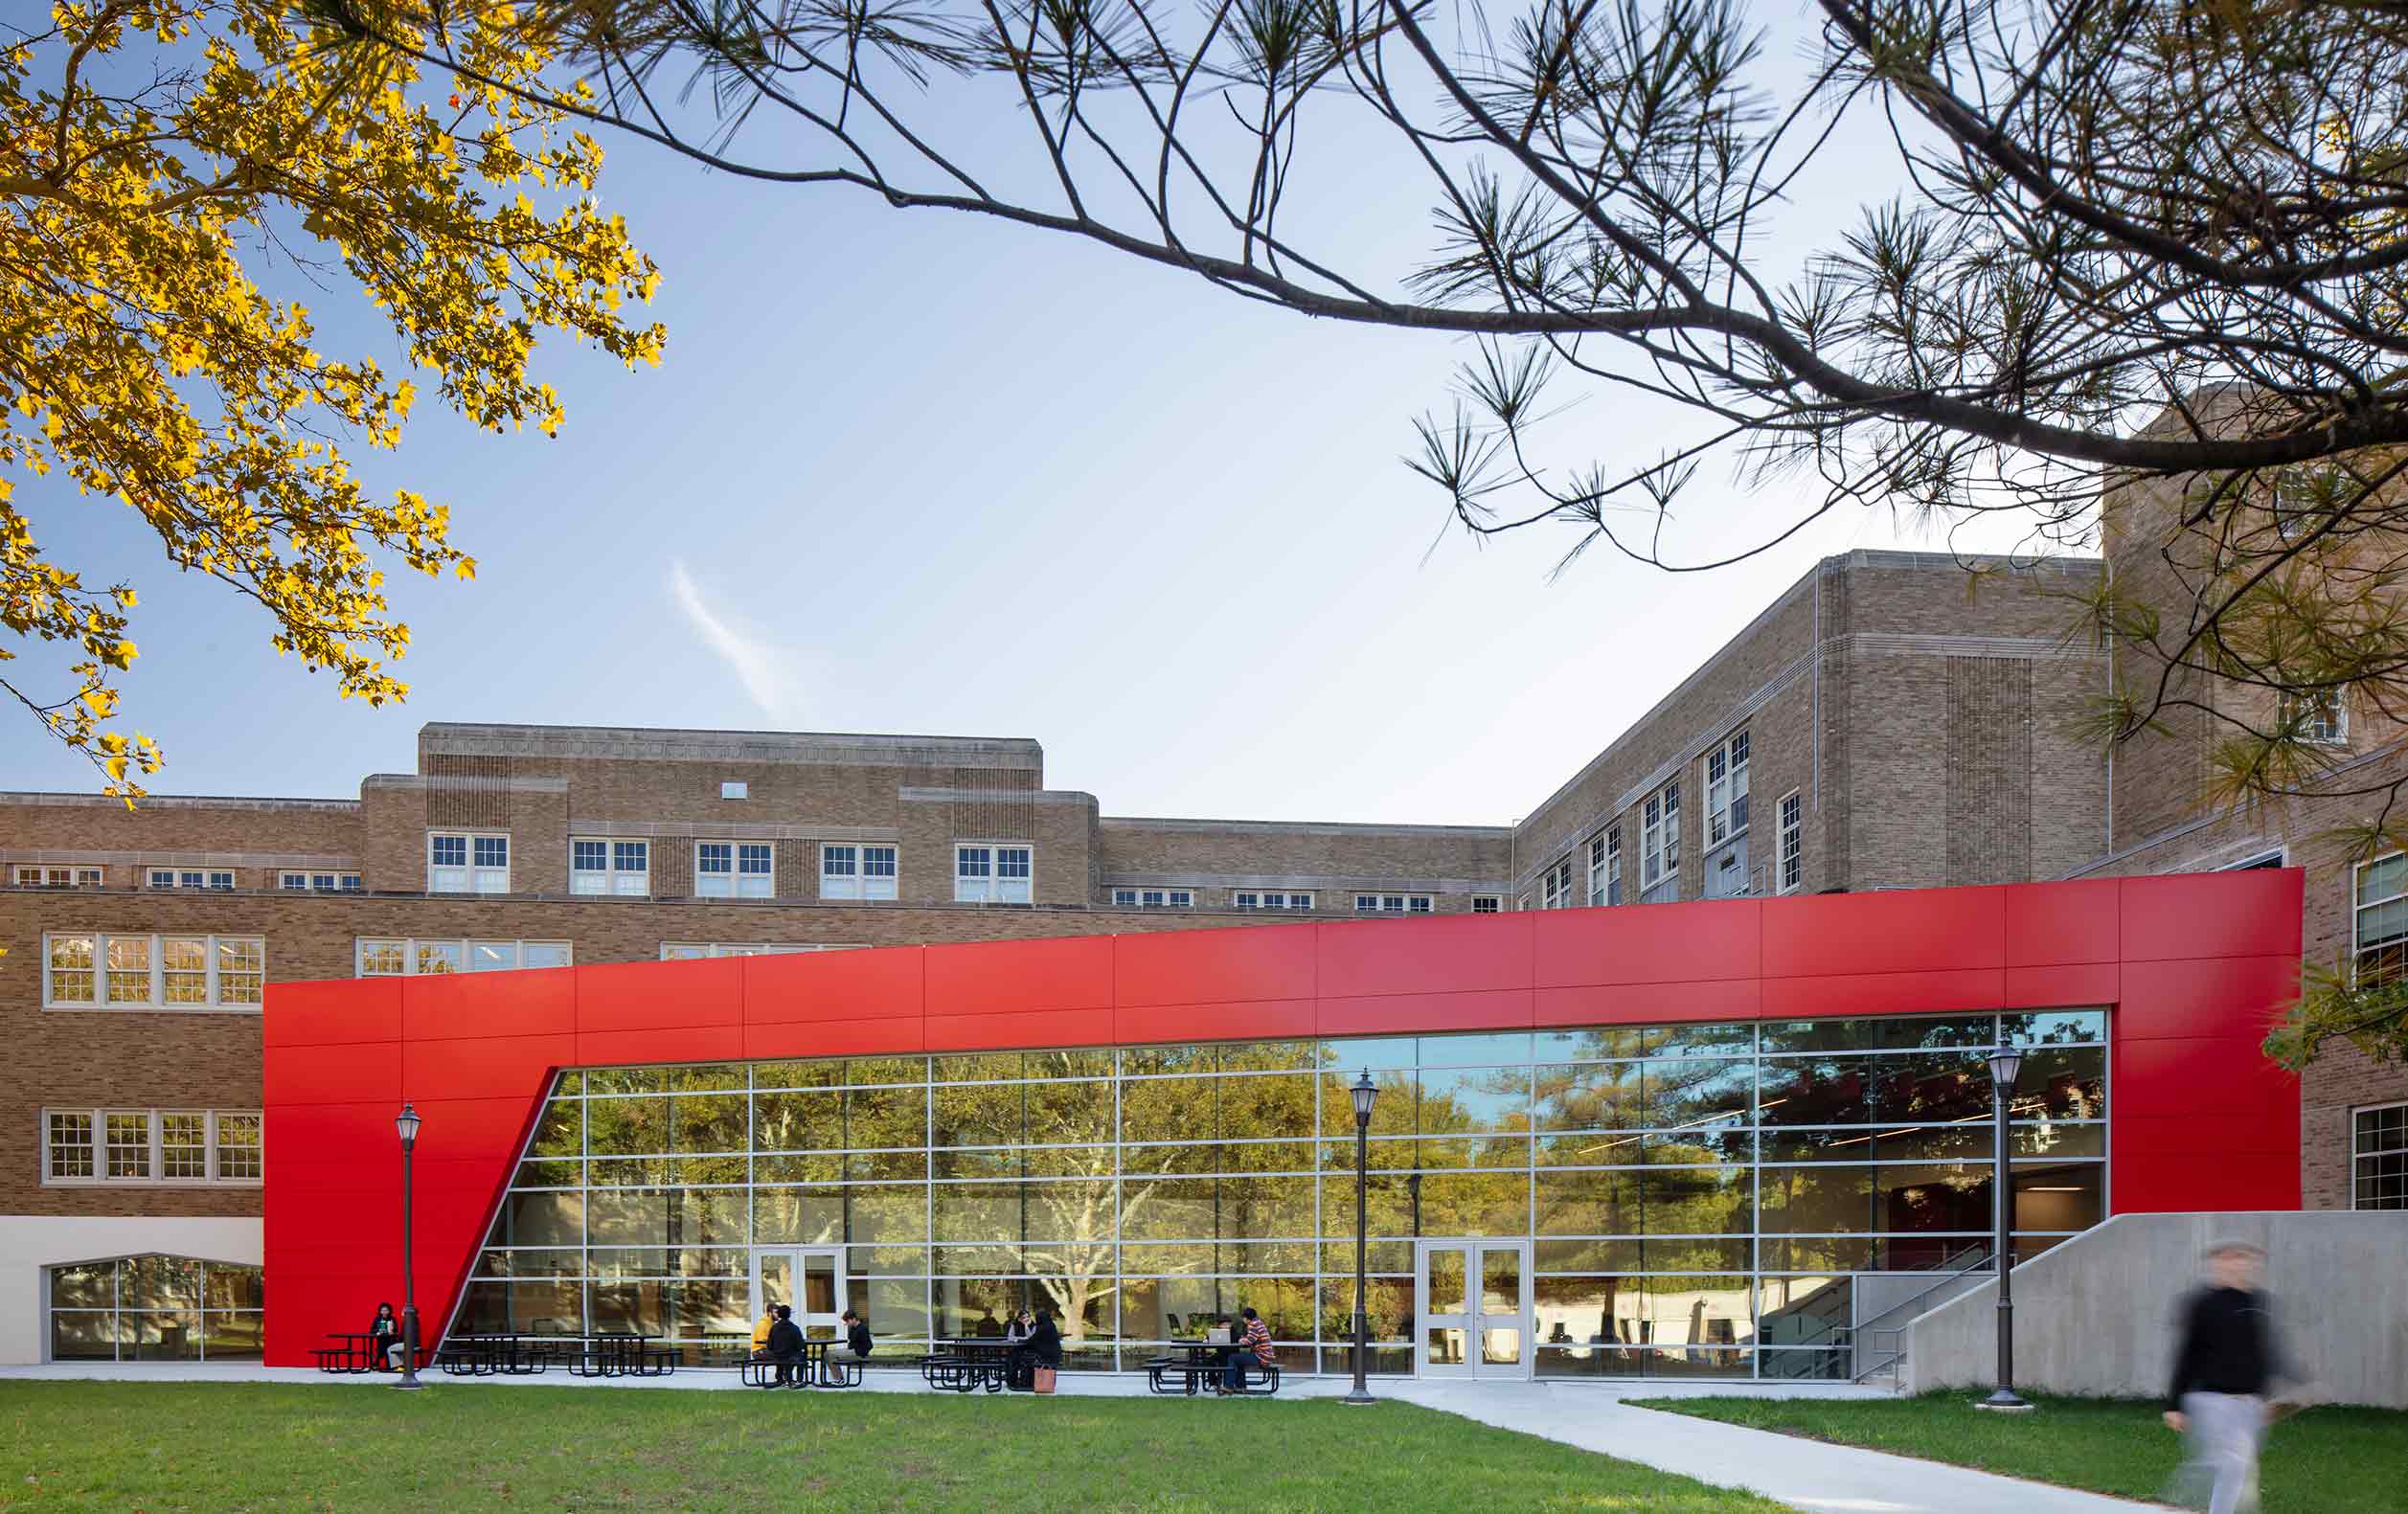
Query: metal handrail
[1981, 1263]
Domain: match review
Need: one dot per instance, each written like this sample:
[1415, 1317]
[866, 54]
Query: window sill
[73, 1009]
[252, 1184]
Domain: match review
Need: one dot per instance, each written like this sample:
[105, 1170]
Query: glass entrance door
[810, 1279]
[1472, 1299]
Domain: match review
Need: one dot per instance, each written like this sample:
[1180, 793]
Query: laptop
[1218, 1335]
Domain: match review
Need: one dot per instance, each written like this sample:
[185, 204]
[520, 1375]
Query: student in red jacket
[1255, 1342]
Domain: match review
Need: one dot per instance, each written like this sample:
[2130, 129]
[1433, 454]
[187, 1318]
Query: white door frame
[1470, 1316]
[815, 1326]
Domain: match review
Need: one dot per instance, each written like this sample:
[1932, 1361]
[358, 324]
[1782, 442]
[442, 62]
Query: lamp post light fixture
[1365, 1092]
[406, 1124]
[2006, 1065]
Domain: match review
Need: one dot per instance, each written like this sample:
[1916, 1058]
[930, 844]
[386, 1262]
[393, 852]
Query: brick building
[1877, 727]
[2354, 1136]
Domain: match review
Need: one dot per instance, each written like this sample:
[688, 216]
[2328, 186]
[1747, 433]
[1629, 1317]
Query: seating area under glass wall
[1688, 1201]
[154, 1309]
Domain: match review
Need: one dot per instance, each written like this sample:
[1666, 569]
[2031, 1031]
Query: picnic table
[359, 1352]
[809, 1368]
[501, 1354]
[623, 1353]
[963, 1366]
[1197, 1363]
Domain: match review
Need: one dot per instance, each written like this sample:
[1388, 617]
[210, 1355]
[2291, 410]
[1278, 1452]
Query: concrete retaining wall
[2096, 1314]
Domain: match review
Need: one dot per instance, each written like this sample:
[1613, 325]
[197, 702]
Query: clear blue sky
[908, 473]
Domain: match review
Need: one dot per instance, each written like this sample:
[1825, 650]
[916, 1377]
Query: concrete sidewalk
[1806, 1475]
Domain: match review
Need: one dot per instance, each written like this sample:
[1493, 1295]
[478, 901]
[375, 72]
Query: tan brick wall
[252, 838]
[1450, 862]
[813, 792]
[1942, 703]
[2162, 820]
[130, 1059]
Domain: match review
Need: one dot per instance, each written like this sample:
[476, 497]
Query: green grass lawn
[163, 1447]
[2323, 1461]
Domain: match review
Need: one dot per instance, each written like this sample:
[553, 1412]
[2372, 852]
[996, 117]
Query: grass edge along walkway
[2327, 1460]
[171, 1447]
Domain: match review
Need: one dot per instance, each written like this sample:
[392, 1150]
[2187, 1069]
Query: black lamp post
[1364, 1091]
[2006, 1066]
[407, 1124]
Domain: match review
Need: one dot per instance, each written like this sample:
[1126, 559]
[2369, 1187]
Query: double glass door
[1472, 1299]
[810, 1279]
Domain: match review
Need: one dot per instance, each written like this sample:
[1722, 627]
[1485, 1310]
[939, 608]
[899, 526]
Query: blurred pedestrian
[2227, 1359]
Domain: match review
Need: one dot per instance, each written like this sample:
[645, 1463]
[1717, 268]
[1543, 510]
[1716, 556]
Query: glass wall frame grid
[147, 1317]
[1753, 1252]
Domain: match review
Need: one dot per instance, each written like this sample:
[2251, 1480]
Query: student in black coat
[856, 1343]
[785, 1347]
[1045, 1341]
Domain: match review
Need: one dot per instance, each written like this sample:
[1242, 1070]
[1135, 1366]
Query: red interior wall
[2195, 965]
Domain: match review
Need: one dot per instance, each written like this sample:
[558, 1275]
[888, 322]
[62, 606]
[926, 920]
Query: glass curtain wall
[1696, 1198]
[154, 1309]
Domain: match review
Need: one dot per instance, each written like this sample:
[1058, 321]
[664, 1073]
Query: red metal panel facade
[2193, 968]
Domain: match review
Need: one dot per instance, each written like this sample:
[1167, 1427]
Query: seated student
[785, 1347]
[856, 1342]
[761, 1332]
[385, 1345]
[1016, 1334]
[1254, 1343]
[1045, 1345]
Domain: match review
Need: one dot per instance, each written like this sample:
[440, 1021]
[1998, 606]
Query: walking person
[2227, 1357]
[1252, 1345]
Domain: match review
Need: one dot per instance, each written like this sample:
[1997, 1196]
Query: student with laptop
[1253, 1344]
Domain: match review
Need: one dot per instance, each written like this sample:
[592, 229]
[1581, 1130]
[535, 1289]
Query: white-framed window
[2302, 497]
[102, 970]
[735, 870]
[695, 951]
[191, 878]
[610, 864]
[1270, 899]
[161, 1146]
[2256, 863]
[319, 882]
[54, 875]
[468, 862]
[1153, 899]
[2320, 717]
[852, 871]
[1792, 843]
[2379, 1157]
[1487, 904]
[992, 873]
[1392, 904]
[1605, 865]
[2378, 922]
[1554, 889]
[735, 788]
[391, 957]
[1660, 836]
[1726, 789]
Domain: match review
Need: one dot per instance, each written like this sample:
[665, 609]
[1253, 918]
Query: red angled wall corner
[2194, 967]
